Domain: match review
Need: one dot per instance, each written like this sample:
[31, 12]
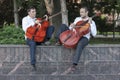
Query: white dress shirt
[27, 22]
[93, 29]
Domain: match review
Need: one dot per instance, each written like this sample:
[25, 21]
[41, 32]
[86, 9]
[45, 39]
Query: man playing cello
[31, 22]
[83, 41]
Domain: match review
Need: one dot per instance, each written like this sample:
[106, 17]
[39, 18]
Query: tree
[64, 12]
[1, 1]
[16, 19]
[57, 8]
[49, 6]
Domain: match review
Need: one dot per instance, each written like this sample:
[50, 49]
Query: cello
[70, 38]
[38, 32]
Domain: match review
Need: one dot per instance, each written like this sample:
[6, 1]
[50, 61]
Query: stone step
[59, 77]
[93, 67]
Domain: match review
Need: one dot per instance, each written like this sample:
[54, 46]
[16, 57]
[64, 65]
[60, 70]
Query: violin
[38, 32]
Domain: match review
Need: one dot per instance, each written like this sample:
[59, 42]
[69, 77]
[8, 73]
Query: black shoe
[34, 67]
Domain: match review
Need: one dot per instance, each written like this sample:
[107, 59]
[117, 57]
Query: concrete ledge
[17, 53]
[98, 62]
[90, 45]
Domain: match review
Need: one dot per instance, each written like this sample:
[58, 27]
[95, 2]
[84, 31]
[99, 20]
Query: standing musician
[29, 22]
[84, 40]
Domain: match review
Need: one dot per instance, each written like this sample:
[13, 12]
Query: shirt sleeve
[26, 24]
[93, 29]
[76, 20]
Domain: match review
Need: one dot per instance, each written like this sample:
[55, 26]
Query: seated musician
[84, 40]
[29, 22]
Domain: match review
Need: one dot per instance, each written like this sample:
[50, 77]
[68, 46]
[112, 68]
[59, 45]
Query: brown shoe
[69, 70]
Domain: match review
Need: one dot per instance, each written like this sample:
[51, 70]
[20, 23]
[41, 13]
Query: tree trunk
[49, 6]
[57, 20]
[64, 12]
[16, 19]
[56, 6]
[1, 1]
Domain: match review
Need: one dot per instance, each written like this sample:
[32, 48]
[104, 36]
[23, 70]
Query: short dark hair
[31, 7]
[85, 7]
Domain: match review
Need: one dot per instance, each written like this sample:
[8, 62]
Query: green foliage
[38, 4]
[11, 35]
[118, 6]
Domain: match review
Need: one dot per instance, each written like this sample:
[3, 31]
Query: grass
[105, 41]
[109, 33]
[99, 41]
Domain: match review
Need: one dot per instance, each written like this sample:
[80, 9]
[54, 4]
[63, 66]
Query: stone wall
[98, 62]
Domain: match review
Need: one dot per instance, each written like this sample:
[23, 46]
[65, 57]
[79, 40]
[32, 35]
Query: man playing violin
[84, 40]
[30, 21]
